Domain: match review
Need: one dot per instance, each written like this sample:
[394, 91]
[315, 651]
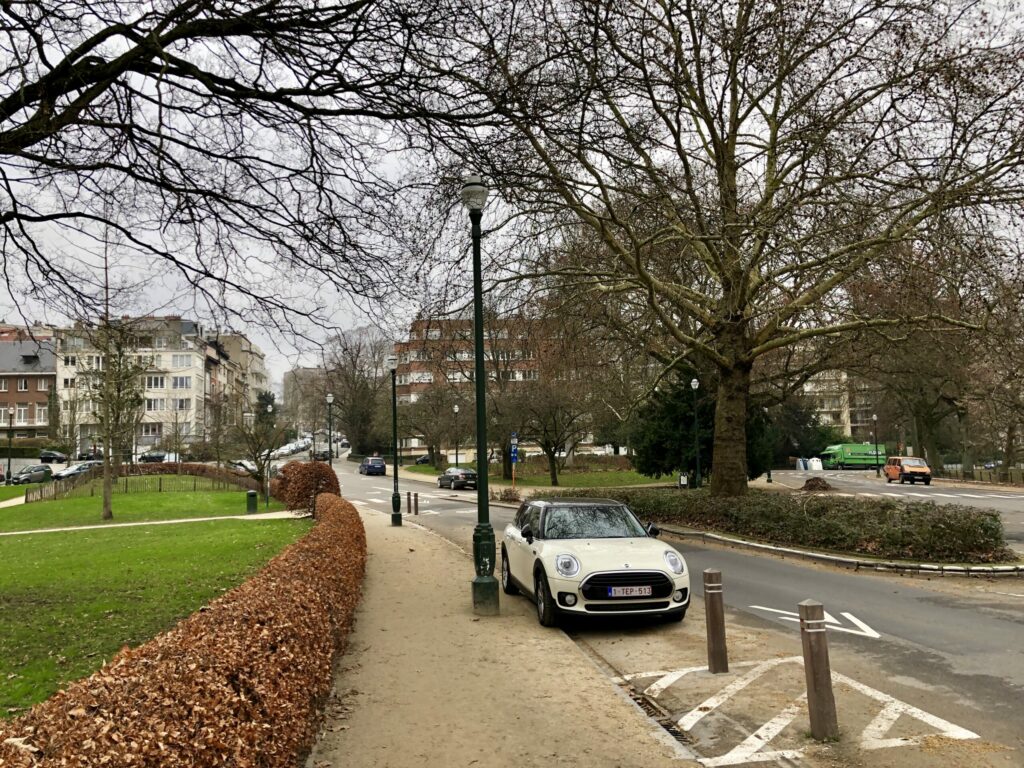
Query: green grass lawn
[568, 478]
[71, 600]
[13, 491]
[128, 508]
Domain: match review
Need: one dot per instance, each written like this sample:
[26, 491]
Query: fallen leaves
[241, 683]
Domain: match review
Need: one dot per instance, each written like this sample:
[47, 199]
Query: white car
[591, 557]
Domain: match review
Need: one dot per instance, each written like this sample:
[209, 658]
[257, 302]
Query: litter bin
[251, 502]
[682, 481]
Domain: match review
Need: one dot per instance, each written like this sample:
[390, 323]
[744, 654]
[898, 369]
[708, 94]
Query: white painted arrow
[861, 629]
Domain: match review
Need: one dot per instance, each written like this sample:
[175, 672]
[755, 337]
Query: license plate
[629, 591]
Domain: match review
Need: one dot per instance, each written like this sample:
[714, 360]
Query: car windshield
[914, 463]
[591, 522]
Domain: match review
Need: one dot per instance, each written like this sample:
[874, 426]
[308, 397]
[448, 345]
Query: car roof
[574, 501]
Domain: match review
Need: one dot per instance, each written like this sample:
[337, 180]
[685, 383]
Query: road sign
[515, 453]
[515, 439]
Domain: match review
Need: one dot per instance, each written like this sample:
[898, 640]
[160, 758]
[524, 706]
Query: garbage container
[251, 502]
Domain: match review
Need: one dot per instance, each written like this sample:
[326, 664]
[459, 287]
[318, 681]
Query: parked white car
[591, 557]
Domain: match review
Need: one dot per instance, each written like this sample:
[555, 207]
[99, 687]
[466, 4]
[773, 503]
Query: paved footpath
[426, 683]
[104, 526]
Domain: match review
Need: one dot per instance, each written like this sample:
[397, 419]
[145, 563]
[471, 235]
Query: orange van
[904, 468]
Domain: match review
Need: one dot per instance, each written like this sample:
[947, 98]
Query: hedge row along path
[239, 683]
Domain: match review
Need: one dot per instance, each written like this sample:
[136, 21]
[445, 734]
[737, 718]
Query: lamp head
[270, 408]
[874, 417]
[474, 193]
[455, 408]
[330, 398]
[694, 384]
[10, 410]
[391, 362]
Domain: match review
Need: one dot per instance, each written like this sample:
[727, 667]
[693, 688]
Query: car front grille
[608, 607]
[595, 586]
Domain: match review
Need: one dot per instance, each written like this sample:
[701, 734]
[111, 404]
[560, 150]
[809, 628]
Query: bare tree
[730, 167]
[358, 379]
[227, 143]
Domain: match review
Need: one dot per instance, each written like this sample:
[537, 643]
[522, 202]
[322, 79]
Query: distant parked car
[423, 459]
[373, 465]
[457, 477]
[90, 454]
[344, 443]
[321, 456]
[52, 457]
[76, 469]
[37, 473]
[153, 457]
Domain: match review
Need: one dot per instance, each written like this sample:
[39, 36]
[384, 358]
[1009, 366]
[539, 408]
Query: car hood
[612, 554]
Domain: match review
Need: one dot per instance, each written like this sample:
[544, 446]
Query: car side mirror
[653, 530]
[528, 534]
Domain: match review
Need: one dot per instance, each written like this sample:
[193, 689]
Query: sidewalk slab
[427, 683]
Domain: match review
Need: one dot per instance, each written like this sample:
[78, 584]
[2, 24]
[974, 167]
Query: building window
[22, 415]
[23, 385]
[3, 385]
[152, 429]
[155, 404]
[434, 333]
[181, 382]
[160, 342]
[42, 384]
[182, 403]
[155, 382]
[529, 375]
[69, 383]
[42, 414]
[181, 361]
[95, 361]
[70, 361]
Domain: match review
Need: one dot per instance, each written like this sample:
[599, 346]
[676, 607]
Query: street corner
[757, 713]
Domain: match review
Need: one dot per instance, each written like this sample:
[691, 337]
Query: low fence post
[821, 703]
[160, 484]
[408, 500]
[416, 503]
[714, 615]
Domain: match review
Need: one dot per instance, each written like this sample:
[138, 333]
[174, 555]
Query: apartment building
[250, 363]
[843, 401]
[303, 395]
[26, 380]
[184, 377]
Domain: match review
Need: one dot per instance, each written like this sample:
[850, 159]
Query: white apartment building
[183, 375]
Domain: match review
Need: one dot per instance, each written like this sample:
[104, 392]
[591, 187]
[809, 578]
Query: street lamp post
[330, 431]
[455, 410]
[694, 385]
[10, 440]
[266, 467]
[485, 586]
[396, 497]
[874, 429]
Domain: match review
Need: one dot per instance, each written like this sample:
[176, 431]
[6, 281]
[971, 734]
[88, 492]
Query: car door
[521, 559]
[514, 540]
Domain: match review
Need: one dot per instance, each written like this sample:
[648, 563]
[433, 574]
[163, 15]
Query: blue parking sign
[515, 454]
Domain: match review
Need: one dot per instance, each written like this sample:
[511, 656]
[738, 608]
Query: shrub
[506, 494]
[878, 528]
[300, 482]
[240, 683]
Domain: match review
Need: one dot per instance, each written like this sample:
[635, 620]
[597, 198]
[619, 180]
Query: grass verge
[594, 479]
[14, 491]
[71, 600]
[128, 508]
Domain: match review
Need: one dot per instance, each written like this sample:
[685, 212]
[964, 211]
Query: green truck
[847, 455]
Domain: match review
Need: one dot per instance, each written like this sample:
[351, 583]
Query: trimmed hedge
[299, 483]
[919, 531]
[239, 683]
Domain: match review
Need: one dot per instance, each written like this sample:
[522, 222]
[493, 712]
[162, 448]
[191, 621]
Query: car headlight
[567, 565]
[674, 561]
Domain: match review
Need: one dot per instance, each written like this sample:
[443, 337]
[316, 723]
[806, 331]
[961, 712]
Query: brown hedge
[188, 468]
[300, 482]
[239, 683]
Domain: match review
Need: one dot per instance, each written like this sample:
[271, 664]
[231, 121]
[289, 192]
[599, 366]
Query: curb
[920, 569]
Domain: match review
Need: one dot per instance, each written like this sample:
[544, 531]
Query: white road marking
[1009, 594]
[747, 752]
[865, 493]
[694, 716]
[862, 629]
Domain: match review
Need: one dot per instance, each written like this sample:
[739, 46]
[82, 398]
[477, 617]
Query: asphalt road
[1008, 501]
[961, 640]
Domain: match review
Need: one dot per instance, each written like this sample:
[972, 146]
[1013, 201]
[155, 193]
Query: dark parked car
[90, 454]
[344, 443]
[373, 465]
[457, 477]
[76, 469]
[38, 473]
[423, 459]
[321, 456]
[52, 457]
[152, 457]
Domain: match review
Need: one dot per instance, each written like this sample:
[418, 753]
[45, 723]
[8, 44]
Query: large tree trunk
[1009, 452]
[506, 461]
[729, 476]
[553, 464]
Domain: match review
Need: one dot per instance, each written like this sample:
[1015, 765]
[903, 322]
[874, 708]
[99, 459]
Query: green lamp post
[485, 586]
[396, 497]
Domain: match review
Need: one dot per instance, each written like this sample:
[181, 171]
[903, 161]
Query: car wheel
[902, 480]
[542, 598]
[912, 480]
[888, 480]
[928, 481]
[506, 575]
[439, 483]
